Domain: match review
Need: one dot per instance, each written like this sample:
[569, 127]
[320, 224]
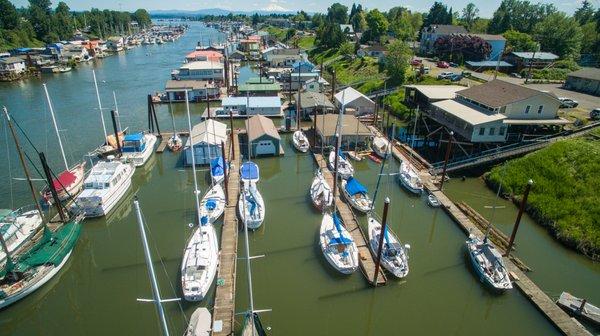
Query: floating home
[206, 137]
[263, 136]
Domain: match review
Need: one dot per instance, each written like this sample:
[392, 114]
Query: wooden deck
[224, 306]
[366, 258]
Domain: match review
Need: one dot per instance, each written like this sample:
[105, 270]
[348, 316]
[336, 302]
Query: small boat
[251, 206]
[104, 187]
[579, 307]
[212, 204]
[138, 147]
[217, 171]
[300, 141]
[409, 178]
[174, 143]
[252, 321]
[67, 184]
[320, 192]
[199, 265]
[337, 245]
[200, 323]
[17, 227]
[375, 158]
[381, 146]
[354, 156]
[488, 263]
[433, 201]
[345, 169]
[394, 257]
[63, 69]
[249, 172]
[356, 194]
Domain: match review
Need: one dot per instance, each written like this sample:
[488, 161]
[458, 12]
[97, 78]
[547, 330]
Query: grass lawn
[278, 33]
[306, 42]
[564, 196]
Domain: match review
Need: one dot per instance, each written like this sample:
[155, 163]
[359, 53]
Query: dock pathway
[224, 306]
[366, 259]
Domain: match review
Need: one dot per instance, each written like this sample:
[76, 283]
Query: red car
[416, 62]
[443, 65]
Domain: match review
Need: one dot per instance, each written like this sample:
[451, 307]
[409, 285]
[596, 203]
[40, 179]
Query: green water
[96, 292]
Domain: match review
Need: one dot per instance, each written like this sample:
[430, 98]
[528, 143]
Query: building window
[492, 131]
[501, 130]
[540, 109]
[527, 109]
[482, 131]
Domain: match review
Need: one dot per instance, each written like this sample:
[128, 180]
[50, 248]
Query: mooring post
[225, 172]
[446, 159]
[519, 215]
[155, 119]
[231, 134]
[386, 205]
[150, 120]
[116, 129]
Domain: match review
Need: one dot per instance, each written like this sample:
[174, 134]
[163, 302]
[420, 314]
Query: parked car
[567, 102]
[426, 69]
[416, 62]
[595, 114]
[452, 64]
[445, 75]
[515, 75]
[466, 73]
[456, 78]
[443, 64]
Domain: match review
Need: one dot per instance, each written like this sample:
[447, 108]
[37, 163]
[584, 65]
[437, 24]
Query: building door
[265, 147]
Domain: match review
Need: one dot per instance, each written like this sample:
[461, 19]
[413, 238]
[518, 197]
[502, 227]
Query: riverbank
[564, 195]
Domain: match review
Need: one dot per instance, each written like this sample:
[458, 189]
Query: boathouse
[263, 136]
[311, 102]
[269, 106]
[352, 131]
[197, 90]
[356, 103]
[206, 137]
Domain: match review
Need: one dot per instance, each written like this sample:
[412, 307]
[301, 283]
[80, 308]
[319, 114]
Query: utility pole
[386, 205]
[519, 215]
[531, 63]
[448, 149]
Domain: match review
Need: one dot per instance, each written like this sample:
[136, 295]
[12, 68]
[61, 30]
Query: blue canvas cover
[211, 204]
[249, 171]
[133, 143]
[338, 240]
[353, 187]
[341, 154]
[216, 166]
[134, 137]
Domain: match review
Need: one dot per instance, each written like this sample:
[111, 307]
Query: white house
[356, 103]
[12, 65]
[315, 85]
[75, 52]
[197, 90]
[377, 51]
[206, 137]
[115, 43]
[431, 33]
[266, 106]
[202, 70]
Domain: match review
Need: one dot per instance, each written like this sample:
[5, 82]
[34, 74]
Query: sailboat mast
[153, 282]
[412, 140]
[193, 155]
[251, 297]
[117, 110]
[34, 193]
[100, 105]
[62, 151]
[337, 149]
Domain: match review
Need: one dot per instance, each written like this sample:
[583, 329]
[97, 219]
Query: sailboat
[380, 146]
[212, 204]
[174, 142]
[201, 255]
[48, 251]
[409, 178]
[320, 192]
[356, 194]
[217, 169]
[345, 169]
[251, 206]
[394, 256]
[18, 227]
[337, 245]
[200, 323]
[69, 182]
[300, 141]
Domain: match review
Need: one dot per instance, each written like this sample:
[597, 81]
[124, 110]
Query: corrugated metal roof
[210, 132]
[502, 64]
[438, 92]
[587, 73]
[538, 55]
[326, 125]
[349, 95]
[252, 101]
[313, 99]
[259, 87]
[468, 114]
[259, 125]
[498, 93]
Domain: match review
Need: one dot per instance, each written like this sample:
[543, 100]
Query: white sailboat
[345, 169]
[394, 256]
[356, 194]
[409, 178]
[337, 245]
[300, 141]
[70, 181]
[17, 227]
[200, 323]
[380, 146]
[320, 192]
[201, 255]
[251, 206]
[488, 263]
[212, 204]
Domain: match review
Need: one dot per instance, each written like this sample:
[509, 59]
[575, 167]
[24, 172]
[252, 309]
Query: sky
[486, 7]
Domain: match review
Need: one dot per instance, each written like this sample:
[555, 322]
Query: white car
[445, 75]
[567, 102]
[595, 114]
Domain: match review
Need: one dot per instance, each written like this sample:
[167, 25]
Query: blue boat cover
[386, 235]
[353, 187]
[211, 204]
[341, 154]
[203, 220]
[252, 203]
[339, 240]
[249, 170]
[134, 137]
[216, 166]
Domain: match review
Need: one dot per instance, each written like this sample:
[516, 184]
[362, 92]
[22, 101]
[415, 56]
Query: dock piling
[519, 215]
[386, 205]
[448, 150]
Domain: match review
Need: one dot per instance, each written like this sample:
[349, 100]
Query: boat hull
[253, 222]
[331, 254]
[99, 208]
[140, 158]
[483, 277]
[398, 265]
[363, 207]
[202, 239]
[320, 193]
[71, 190]
[300, 142]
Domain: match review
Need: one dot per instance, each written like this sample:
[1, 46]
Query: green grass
[278, 33]
[306, 42]
[319, 55]
[564, 196]
[348, 71]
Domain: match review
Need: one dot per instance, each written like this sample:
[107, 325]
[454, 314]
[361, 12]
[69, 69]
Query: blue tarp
[211, 204]
[341, 154]
[353, 187]
[216, 166]
[339, 240]
[203, 220]
[249, 171]
[134, 137]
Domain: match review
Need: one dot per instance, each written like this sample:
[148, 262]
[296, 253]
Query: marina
[107, 267]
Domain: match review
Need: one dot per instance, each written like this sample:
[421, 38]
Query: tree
[318, 19]
[462, 47]
[63, 22]
[359, 22]
[480, 26]
[378, 25]
[330, 35]
[585, 13]
[9, 17]
[255, 19]
[469, 14]
[142, 17]
[397, 61]
[346, 49]
[438, 14]
[561, 35]
[517, 41]
[337, 13]
[520, 15]
[401, 24]
[589, 37]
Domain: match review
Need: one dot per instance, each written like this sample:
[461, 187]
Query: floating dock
[224, 306]
[366, 259]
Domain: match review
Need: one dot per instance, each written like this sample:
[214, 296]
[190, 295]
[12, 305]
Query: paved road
[586, 102]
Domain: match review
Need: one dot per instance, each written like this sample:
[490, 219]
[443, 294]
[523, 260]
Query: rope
[10, 178]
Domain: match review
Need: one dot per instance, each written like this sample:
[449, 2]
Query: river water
[96, 292]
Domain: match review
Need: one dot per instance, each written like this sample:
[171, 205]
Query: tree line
[40, 23]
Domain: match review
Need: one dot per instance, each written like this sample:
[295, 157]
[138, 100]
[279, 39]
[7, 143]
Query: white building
[12, 65]
[356, 103]
[115, 43]
[202, 70]
[197, 90]
[206, 137]
[266, 106]
[431, 33]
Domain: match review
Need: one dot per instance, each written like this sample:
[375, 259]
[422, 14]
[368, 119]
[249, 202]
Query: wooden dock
[164, 137]
[224, 305]
[366, 258]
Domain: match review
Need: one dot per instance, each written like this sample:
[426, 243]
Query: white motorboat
[105, 185]
[199, 264]
[217, 170]
[381, 146]
[212, 204]
[488, 263]
[409, 178]
[200, 323]
[356, 194]
[300, 141]
[345, 169]
[433, 201]
[320, 192]
[174, 143]
[251, 206]
[138, 147]
[17, 227]
[337, 245]
[394, 256]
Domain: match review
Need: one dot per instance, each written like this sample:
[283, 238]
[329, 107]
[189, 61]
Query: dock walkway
[366, 258]
[224, 306]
